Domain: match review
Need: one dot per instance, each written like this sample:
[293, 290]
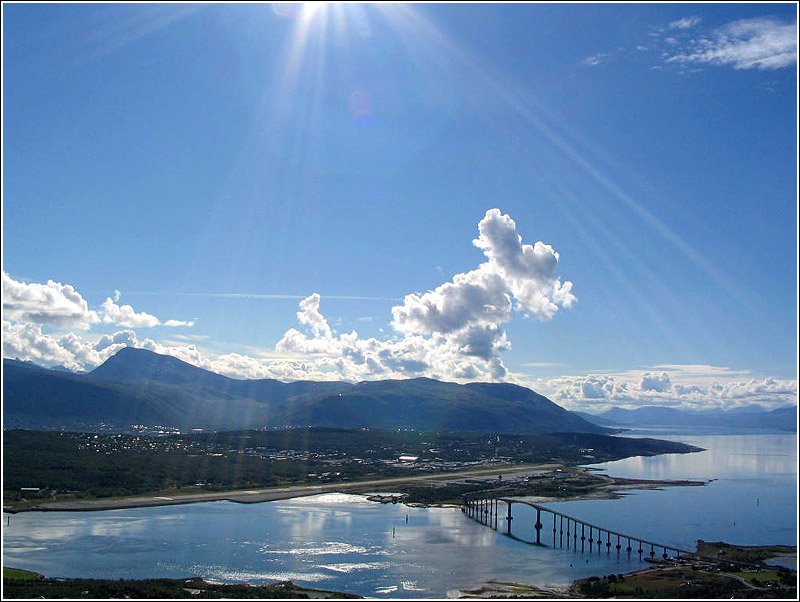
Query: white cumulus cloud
[49, 303]
[126, 338]
[655, 382]
[453, 331]
[309, 315]
[468, 310]
[61, 305]
[72, 351]
[125, 315]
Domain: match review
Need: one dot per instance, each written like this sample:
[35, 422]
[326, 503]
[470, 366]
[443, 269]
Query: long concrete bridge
[567, 531]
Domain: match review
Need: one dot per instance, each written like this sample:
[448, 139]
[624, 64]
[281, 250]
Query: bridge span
[567, 531]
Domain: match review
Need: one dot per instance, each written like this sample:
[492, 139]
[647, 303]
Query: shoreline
[26, 585]
[704, 571]
[266, 494]
[614, 488]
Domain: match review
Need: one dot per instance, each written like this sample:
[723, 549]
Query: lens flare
[360, 105]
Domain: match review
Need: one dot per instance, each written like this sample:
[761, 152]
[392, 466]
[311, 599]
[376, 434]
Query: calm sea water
[751, 499]
[345, 543]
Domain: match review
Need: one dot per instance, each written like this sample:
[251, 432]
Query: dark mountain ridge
[137, 386]
[783, 418]
[131, 365]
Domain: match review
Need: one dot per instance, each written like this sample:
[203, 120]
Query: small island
[717, 570]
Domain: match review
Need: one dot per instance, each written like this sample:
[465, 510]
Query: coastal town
[98, 466]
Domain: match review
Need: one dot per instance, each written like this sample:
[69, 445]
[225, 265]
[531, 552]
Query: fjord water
[335, 541]
[751, 498]
[345, 543]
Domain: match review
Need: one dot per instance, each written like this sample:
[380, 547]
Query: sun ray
[415, 30]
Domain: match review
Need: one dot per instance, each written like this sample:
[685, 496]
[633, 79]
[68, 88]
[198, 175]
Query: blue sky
[181, 177]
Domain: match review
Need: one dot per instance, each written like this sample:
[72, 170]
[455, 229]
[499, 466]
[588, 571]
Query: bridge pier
[509, 518]
[574, 536]
[538, 526]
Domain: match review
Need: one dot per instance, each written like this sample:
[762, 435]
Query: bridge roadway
[486, 512]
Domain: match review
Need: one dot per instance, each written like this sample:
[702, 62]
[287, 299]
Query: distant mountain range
[756, 417]
[137, 386]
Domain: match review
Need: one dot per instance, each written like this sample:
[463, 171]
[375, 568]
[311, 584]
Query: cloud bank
[673, 385]
[60, 305]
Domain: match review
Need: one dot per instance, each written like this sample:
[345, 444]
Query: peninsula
[80, 471]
